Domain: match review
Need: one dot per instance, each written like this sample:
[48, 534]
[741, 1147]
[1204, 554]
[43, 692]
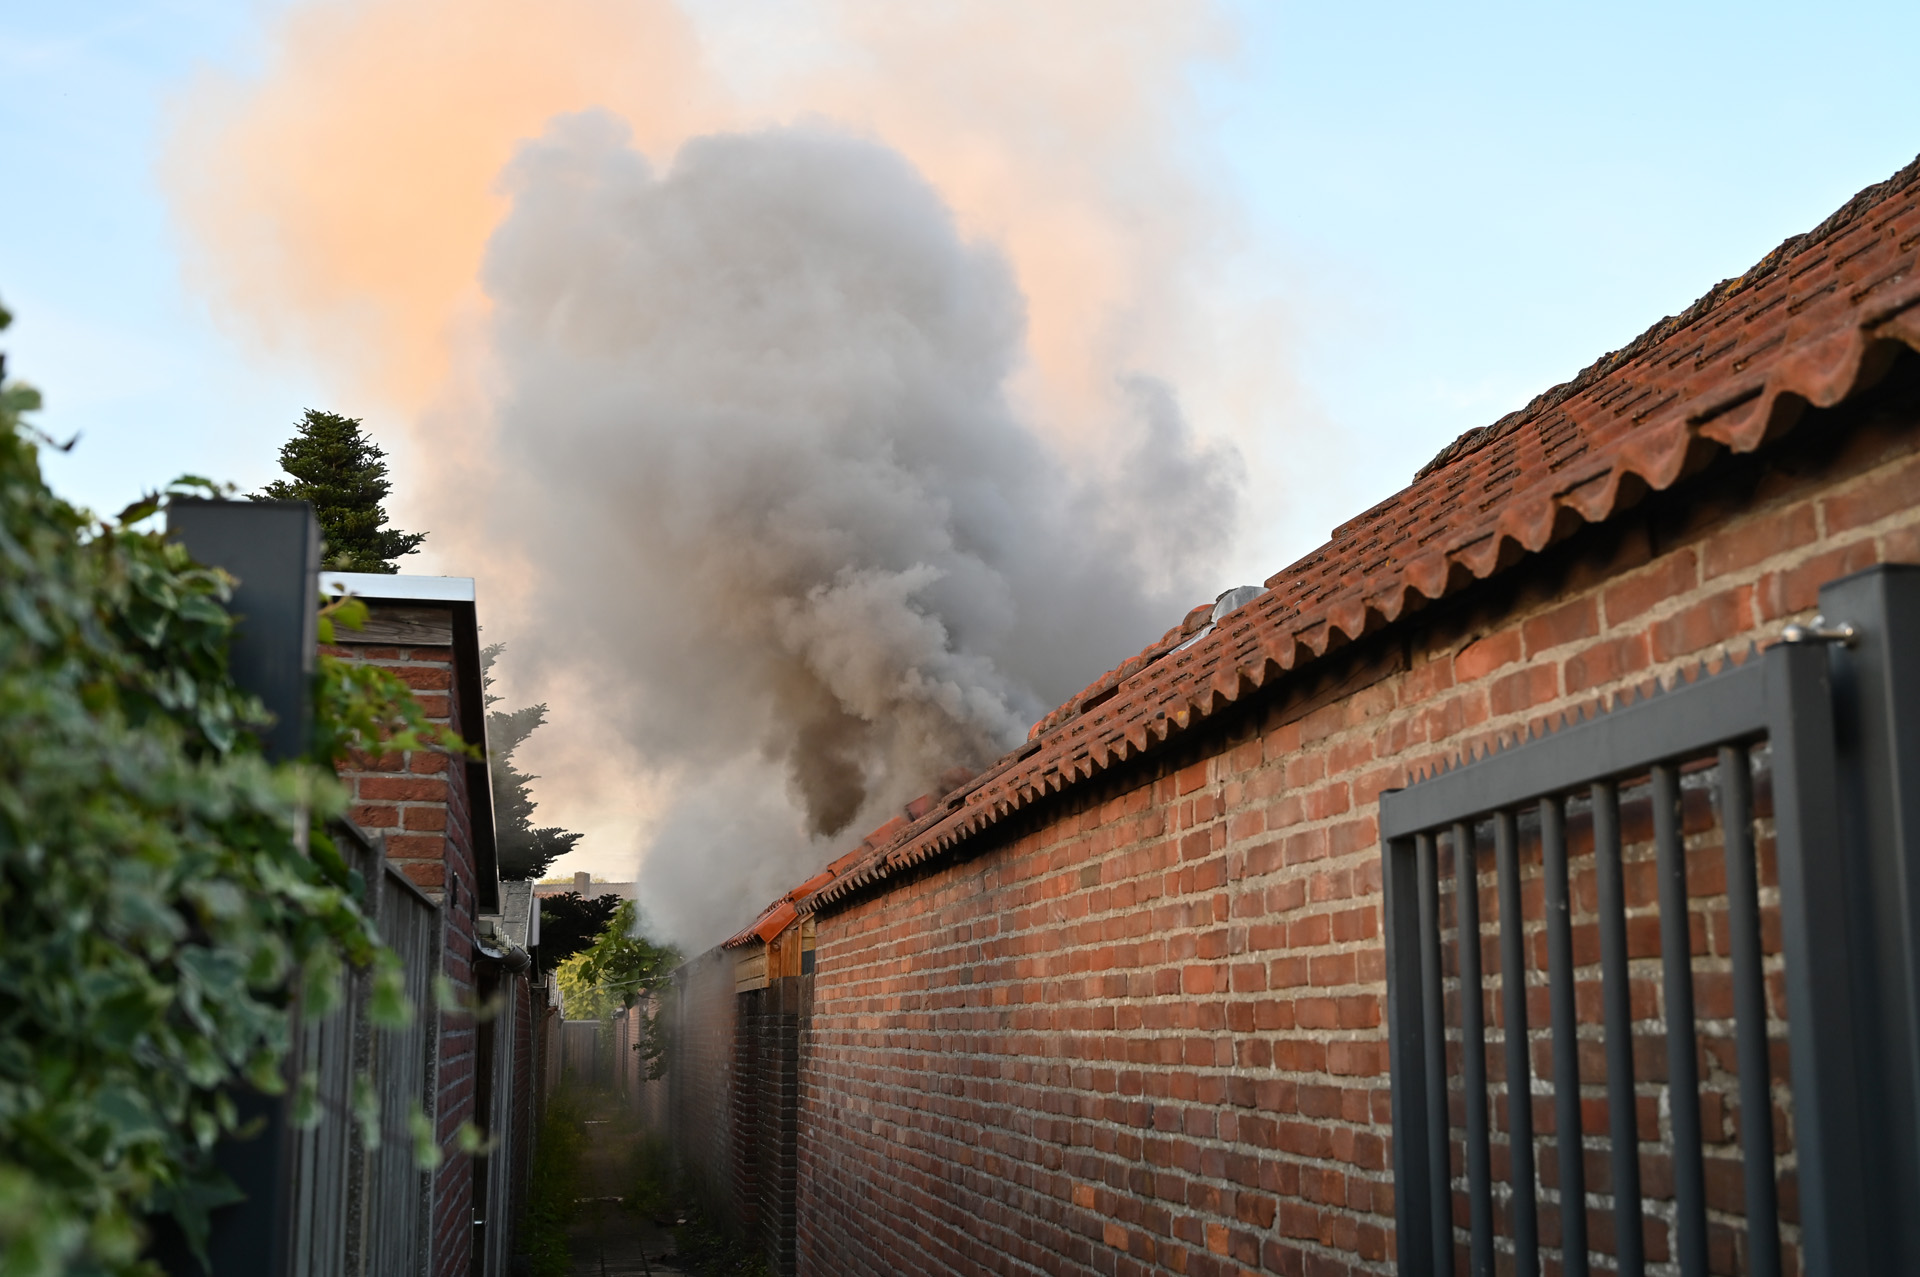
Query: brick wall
[419, 801]
[1140, 1030]
[765, 1115]
[699, 1079]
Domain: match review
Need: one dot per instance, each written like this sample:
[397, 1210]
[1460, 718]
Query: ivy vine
[170, 898]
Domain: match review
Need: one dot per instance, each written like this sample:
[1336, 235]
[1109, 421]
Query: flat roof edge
[398, 588]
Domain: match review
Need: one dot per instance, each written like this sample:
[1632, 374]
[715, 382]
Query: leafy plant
[553, 1187]
[171, 900]
[615, 971]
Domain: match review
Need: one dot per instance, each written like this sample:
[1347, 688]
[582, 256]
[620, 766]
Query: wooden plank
[402, 625]
[750, 970]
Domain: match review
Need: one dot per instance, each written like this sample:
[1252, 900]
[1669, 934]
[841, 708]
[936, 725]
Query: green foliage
[524, 850]
[616, 971]
[553, 1186]
[653, 1188]
[344, 474]
[569, 922]
[702, 1246]
[170, 901]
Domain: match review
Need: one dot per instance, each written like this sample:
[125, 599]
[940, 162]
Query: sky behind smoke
[1329, 237]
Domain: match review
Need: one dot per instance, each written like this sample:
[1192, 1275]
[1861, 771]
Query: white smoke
[755, 436]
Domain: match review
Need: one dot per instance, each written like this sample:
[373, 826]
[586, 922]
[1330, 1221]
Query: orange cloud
[337, 205]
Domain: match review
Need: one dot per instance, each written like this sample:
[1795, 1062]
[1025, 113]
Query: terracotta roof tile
[1804, 326]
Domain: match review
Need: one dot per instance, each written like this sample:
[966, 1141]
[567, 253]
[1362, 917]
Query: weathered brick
[1888, 490]
[397, 789]
[1558, 626]
[1483, 656]
[1605, 662]
[1667, 577]
[1701, 625]
[1758, 538]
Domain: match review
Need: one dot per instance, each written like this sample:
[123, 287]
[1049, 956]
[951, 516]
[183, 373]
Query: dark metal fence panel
[1857, 910]
[272, 548]
[1635, 864]
[324, 1175]
[323, 1201]
[399, 1194]
[495, 1236]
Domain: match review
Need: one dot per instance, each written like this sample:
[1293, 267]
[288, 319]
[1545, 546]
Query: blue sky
[125, 353]
[1456, 208]
[1472, 202]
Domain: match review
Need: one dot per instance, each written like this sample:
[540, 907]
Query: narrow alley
[611, 1237]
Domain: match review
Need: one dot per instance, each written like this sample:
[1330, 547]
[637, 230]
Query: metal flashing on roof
[398, 587]
[519, 917]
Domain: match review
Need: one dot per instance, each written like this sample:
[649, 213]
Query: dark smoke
[755, 420]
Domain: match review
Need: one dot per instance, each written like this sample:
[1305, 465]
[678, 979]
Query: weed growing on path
[703, 1246]
[553, 1189]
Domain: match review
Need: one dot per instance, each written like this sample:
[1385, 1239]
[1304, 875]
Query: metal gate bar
[1524, 1208]
[1433, 1014]
[1623, 1119]
[1473, 1054]
[1683, 1066]
[1566, 1057]
[1749, 1010]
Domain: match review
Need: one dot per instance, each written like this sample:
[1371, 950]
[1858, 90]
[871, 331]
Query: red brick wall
[1142, 1030]
[420, 803]
[416, 799]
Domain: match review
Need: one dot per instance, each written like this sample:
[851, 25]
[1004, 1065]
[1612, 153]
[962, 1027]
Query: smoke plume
[752, 419]
[786, 373]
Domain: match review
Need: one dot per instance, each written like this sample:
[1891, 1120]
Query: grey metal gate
[1827, 727]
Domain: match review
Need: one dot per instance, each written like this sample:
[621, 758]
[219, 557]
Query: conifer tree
[337, 467]
[571, 922]
[524, 849]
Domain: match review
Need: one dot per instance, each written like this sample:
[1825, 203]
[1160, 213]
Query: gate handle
[1819, 630]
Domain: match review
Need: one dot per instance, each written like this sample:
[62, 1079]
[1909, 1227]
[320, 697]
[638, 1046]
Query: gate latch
[1821, 630]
